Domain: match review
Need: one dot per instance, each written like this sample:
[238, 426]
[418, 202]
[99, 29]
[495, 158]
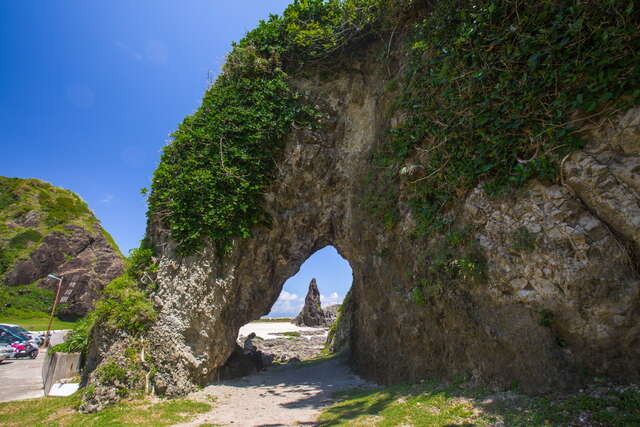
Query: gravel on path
[288, 395]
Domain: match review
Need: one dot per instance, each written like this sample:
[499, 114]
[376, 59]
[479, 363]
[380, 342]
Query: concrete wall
[59, 366]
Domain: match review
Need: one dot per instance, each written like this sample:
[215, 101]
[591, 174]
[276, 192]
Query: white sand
[268, 329]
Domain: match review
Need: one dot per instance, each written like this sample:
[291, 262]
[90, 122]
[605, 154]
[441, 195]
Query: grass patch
[34, 321]
[433, 404]
[61, 412]
[25, 298]
[28, 306]
[63, 209]
[109, 238]
[22, 240]
[293, 334]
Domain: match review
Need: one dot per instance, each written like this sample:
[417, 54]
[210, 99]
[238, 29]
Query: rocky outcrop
[331, 313]
[242, 362]
[286, 348]
[556, 293]
[85, 260]
[71, 244]
[312, 314]
[339, 337]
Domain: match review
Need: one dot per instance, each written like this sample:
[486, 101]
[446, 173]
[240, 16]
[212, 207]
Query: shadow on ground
[328, 386]
[432, 404]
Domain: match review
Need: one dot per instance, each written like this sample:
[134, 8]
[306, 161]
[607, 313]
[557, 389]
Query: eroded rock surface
[49, 230]
[312, 313]
[83, 258]
[559, 297]
[287, 348]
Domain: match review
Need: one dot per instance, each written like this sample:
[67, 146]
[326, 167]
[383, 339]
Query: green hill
[49, 230]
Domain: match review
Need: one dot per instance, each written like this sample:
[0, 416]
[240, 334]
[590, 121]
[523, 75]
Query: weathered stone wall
[565, 306]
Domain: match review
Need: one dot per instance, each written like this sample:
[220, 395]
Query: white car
[6, 351]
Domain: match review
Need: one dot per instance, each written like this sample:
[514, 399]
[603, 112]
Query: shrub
[7, 198]
[141, 260]
[22, 240]
[546, 318]
[6, 260]
[454, 260]
[524, 240]
[124, 306]
[77, 340]
[63, 209]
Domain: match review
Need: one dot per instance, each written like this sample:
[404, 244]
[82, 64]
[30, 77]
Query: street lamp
[53, 309]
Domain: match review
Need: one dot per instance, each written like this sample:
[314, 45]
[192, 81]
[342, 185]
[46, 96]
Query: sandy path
[281, 396]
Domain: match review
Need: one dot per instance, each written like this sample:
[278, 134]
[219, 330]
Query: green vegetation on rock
[496, 92]
[124, 305]
[455, 260]
[212, 177]
[76, 340]
[30, 210]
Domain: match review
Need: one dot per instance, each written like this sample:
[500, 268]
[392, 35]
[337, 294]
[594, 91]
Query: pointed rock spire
[312, 313]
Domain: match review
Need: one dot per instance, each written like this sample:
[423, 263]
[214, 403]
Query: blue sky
[92, 90]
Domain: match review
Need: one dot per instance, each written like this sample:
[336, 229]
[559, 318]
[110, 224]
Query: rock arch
[569, 302]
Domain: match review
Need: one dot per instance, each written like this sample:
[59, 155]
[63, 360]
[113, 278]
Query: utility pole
[53, 309]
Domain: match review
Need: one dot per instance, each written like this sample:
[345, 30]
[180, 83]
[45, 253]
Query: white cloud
[107, 199]
[288, 304]
[332, 299]
[286, 296]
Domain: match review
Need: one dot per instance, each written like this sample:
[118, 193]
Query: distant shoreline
[272, 319]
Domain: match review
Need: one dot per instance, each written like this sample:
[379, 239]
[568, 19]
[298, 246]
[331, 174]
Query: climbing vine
[496, 91]
[212, 176]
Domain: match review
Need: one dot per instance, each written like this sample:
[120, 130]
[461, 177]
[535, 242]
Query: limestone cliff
[47, 230]
[522, 275]
[563, 301]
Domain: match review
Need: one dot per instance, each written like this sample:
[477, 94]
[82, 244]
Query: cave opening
[292, 331]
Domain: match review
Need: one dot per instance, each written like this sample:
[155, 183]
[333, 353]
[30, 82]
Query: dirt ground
[288, 395]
